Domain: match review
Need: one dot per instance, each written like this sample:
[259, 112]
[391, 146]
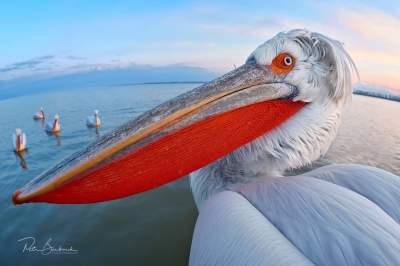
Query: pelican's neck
[18, 140]
[226, 175]
[298, 141]
[55, 124]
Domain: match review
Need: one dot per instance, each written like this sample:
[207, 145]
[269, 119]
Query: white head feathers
[323, 68]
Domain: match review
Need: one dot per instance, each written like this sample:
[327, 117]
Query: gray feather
[378, 185]
[230, 231]
[330, 224]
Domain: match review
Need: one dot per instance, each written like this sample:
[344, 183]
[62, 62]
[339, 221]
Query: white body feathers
[94, 120]
[39, 115]
[335, 215]
[54, 126]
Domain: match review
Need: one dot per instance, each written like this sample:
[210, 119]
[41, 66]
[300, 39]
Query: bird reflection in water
[97, 133]
[96, 130]
[21, 156]
[57, 136]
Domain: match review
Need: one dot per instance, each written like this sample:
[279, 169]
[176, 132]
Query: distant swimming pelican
[94, 120]
[237, 135]
[39, 115]
[19, 141]
[53, 127]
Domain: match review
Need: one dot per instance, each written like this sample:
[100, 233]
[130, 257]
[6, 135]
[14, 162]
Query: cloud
[371, 36]
[239, 29]
[73, 57]
[219, 35]
[373, 26]
[45, 65]
[374, 44]
[28, 64]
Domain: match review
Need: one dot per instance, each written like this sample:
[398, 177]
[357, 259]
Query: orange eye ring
[283, 63]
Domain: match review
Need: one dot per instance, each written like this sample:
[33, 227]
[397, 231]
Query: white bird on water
[54, 126]
[39, 115]
[94, 120]
[237, 135]
[19, 141]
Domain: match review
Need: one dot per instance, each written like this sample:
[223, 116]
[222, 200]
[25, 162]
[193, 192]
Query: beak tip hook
[15, 199]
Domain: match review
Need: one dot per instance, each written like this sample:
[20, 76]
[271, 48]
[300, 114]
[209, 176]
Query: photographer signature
[46, 249]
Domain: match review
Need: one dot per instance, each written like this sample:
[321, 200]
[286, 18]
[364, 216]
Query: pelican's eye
[282, 63]
[287, 61]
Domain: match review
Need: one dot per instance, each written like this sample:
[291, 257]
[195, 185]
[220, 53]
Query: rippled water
[152, 228]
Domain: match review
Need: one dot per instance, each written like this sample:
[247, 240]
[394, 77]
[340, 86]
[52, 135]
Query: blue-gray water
[153, 228]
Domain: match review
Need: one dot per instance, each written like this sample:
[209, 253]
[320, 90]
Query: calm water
[152, 228]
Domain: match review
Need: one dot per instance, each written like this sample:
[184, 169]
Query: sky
[56, 37]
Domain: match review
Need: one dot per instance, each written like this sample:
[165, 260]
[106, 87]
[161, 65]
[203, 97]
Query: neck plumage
[18, 144]
[55, 124]
[300, 140]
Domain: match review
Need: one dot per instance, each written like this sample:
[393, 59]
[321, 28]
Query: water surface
[153, 228]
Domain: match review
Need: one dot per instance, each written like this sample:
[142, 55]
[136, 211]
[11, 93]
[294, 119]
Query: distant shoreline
[378, 95]
[357, 92]
[385, 96]
[15, 94]
[162, 82]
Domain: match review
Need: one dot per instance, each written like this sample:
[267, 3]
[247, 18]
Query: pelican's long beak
[169, 141]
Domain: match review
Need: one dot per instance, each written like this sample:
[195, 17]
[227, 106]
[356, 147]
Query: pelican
[39, 115]
[19, 141]
[93, 121]
[237, 136]
[53, 127]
